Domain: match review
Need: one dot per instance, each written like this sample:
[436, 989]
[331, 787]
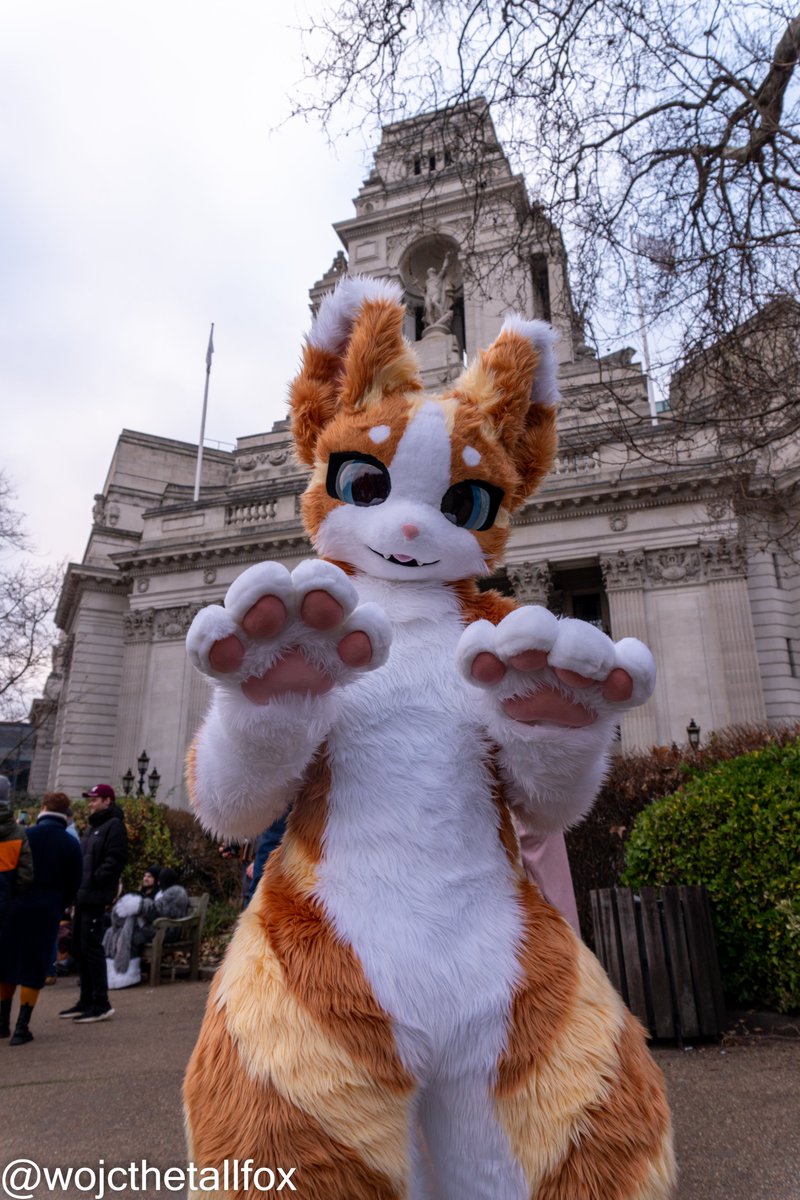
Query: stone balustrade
[252, 512]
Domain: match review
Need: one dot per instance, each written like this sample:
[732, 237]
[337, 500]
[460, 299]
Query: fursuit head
[400, 1014]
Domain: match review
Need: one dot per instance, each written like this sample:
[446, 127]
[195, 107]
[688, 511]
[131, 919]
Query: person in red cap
[105, 852]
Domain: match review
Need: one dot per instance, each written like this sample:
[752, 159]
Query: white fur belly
[413, 874]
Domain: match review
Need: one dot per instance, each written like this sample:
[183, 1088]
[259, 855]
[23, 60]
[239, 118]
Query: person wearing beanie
[171, 901]
[16, 862]
[31, 925]
[105, 852]
[149, 886]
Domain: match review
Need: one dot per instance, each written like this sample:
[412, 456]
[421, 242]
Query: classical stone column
[531, 582]
[138, 634]
[624, 578]
[88, 705]
[725, 570]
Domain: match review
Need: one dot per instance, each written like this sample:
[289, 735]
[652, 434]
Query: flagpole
[651, 400]
[209, 352]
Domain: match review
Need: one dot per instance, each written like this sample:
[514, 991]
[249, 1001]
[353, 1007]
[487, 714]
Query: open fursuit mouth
[404, 560]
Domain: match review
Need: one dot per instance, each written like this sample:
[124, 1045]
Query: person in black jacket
[29, 932]
[105, 852]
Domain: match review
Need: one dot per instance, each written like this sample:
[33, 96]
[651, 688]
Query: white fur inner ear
[471, 456]
[543, 338]
[338, 309]
[378, 434]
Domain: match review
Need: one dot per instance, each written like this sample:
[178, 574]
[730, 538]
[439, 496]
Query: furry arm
[247, 760]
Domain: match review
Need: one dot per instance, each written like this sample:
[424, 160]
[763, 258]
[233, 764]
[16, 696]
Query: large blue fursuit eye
[357, 479]
[472, 504]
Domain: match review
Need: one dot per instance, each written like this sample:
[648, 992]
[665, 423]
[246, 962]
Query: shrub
[220, 921]
[736, 830]
[202, 867]
[596, 847]
[149, 840]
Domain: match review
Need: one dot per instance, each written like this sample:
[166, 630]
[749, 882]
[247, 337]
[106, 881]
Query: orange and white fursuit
[401, 1015]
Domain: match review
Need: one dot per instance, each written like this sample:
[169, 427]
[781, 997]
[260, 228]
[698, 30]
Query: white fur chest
[413, 874]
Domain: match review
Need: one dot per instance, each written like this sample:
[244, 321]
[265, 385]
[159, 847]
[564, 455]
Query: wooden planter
[658, 948]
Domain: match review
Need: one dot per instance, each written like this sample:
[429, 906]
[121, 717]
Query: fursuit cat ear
[355, 352]
[513, 384]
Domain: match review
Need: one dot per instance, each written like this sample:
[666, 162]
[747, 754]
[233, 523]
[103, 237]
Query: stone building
[641, 549]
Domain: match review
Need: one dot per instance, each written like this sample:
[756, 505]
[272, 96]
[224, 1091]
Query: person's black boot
[5, 1018]
[22, 1033]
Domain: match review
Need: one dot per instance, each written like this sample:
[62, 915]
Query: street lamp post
[693, 734]
[153, 779]
[143, 762]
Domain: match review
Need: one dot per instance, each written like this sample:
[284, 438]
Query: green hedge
[736, 830]
[597, 846]
[149, 840]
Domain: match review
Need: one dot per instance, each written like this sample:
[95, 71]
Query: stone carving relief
[159, 624]
[717, 509]
[679, 565]
[142, 585]
[138, 625]
[531, 582]
[210, 575]
[104, 513]
[674, 566]
[625, 569]
[618, 522]
[724, 559]
[274, 457]
[172, 623]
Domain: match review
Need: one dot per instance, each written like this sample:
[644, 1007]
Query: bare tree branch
[28, 596]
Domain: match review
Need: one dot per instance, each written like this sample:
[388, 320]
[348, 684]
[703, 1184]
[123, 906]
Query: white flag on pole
[210, 349]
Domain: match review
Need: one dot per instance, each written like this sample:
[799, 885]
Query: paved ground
[81, 1093]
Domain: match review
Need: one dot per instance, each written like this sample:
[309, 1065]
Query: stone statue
[437, 310]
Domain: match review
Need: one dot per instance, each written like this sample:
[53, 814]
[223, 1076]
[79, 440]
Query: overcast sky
[144, 194]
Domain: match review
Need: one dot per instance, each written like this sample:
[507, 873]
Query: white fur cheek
[250, 758]
[361, 536]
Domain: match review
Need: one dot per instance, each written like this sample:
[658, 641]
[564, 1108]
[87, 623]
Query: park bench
[657, 946]
[190, 930]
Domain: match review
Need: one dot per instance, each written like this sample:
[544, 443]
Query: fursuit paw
[279, 633]
[546, 670]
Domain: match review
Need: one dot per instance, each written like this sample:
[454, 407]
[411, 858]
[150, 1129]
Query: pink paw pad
[291, 674]
[548, 705]
[227, 654]
[355, 649]
[321, 611]
[266, 618]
